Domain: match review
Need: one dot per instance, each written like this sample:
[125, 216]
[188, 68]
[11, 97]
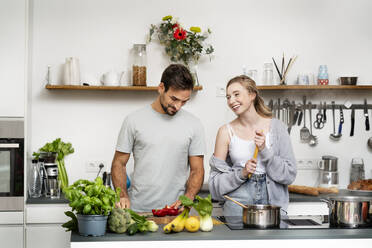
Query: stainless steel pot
[261, 216]
[349, 211]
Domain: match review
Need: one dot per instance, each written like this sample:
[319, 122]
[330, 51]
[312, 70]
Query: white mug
[110, 78]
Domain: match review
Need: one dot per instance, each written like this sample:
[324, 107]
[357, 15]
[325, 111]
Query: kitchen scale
[236, 223]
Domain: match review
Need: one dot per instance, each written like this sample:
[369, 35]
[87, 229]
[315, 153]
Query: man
[165, 141]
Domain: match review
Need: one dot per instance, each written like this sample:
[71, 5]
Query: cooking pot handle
[329, 203]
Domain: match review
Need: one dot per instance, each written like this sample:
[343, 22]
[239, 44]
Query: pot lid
[329, 157]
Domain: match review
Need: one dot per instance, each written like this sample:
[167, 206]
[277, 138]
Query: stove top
[236, 223]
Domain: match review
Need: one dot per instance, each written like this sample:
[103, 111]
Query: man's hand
[123, 203]
[175, 204]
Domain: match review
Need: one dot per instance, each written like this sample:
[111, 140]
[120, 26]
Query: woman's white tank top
[241, 151]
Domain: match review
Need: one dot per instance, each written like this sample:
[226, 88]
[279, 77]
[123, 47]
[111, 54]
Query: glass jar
[357, 170]
[268, 74]
[139, 65]
[34, 180]
[323, 75]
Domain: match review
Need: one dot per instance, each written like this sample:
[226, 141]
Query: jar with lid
[323, 75]
[357, 170]
[268, 74]
[139, 65]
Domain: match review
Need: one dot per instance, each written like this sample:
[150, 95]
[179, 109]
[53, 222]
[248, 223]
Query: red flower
[175, 26]
[179, 34]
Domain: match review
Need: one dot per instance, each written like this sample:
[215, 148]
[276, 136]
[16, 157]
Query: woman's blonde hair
[250, 85]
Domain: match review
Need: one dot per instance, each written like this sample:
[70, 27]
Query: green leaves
[187, 50]
[202, 205]
[185, 201]
[71, 225]
[62, 149]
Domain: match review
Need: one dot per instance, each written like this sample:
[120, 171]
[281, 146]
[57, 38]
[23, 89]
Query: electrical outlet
[220, 91]
[307, 164]
[93, 166]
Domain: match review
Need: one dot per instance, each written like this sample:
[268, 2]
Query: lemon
[192, 224]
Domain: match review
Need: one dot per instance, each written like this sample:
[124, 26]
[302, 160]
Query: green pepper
[132, 229]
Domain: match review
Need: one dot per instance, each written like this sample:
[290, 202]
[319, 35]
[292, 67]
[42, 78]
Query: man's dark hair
[178, 77]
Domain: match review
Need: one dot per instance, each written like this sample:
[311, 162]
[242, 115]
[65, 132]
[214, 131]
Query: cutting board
[166, 219]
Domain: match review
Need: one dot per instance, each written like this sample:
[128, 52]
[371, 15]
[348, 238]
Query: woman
[234, 171]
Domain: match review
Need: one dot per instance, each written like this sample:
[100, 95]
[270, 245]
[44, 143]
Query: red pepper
[159, 212]
[172, 211]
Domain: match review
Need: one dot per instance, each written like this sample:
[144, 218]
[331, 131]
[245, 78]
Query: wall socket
[307, 164]
[220, 91]
[93, 166]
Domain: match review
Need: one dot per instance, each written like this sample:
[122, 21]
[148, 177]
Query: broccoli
[119, 220]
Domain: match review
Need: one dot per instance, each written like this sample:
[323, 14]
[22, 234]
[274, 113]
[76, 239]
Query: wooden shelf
[123, 88]
[315, 87]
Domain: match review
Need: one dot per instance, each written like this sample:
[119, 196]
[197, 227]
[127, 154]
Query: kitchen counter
[47, 200]
[222, 232]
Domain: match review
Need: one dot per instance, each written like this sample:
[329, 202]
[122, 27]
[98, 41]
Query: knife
[325, 113]
[352, 121]
[366, 114]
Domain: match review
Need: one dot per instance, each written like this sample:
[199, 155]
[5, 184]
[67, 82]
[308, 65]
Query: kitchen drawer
[11, 218]
[46, 213]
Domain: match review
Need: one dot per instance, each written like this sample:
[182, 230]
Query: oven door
[11, 175]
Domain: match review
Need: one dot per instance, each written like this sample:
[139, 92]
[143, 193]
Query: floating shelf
[315, 87]
[123, 88]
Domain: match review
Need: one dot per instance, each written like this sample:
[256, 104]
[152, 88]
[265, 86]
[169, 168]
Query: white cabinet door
[11, 236]
[12, 57]
[46, 236]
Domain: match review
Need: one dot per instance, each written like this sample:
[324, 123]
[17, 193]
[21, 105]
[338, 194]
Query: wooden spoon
[240, 204]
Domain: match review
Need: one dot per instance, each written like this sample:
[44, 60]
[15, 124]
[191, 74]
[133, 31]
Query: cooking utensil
[259, 216]
[366, 114]
[341, 122]
[231, 199]
[313, 140]
[369, 142]
[349, 211]
[255, 157]
[333, 135]
[318, 123]
[325, 112]
[352, 121]
[304, 132]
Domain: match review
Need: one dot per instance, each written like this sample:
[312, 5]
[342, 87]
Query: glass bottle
[43, 176]
[139, 65]
[268, 74]
[35, 181]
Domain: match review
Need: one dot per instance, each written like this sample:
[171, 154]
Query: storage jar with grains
[139, 65]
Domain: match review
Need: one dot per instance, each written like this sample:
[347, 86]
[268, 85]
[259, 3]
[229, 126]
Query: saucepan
[259, 216]
[349, 211]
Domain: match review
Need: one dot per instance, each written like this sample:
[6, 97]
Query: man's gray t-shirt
[161, 145]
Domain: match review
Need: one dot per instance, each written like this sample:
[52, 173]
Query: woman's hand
[259, 140]
[249, 168]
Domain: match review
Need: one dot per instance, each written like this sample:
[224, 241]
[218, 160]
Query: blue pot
[92, 225]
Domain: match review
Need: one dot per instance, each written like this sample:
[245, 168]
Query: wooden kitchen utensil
[240, 204]
[255, 157]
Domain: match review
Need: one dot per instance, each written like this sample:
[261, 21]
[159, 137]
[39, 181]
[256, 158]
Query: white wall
[101, 34]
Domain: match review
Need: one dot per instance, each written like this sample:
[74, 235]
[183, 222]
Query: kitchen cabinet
[11, 229]
[13, 57]
[43, 226]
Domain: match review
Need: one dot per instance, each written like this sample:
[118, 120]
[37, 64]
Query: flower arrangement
[181, 45]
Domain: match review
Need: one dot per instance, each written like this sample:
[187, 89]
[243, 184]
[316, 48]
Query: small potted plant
[92, 202]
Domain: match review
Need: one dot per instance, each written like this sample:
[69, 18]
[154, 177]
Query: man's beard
[166, 109]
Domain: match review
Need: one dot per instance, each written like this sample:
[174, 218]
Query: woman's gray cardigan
[280, 166]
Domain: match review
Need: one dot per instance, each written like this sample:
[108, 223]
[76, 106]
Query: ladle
[369, 142]
[240, 204]
[333, 135]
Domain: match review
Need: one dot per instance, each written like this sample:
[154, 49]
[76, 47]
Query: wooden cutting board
[166, 219]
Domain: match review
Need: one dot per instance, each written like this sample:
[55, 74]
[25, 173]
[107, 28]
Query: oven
[11, 166]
